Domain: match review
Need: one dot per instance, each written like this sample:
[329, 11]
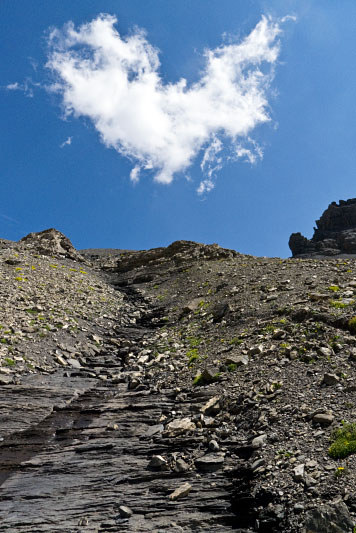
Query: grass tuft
[344, 441]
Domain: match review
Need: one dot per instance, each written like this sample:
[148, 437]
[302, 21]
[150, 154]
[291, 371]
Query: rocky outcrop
[334, 235]
[51, 242]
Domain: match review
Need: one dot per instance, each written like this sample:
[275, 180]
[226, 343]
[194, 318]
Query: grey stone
[324, 419]
[74, 363]
[257, 464]
[259, 441]
[125, 512]
[330, 379]
[325, 352]
[256, 350]
[180, 425]
[181, 492]
[238, 360]
[299, 472]
[331, 518]
[157, 461]
[212, 407]
[181, 466]
[210, 462]
[213, 446]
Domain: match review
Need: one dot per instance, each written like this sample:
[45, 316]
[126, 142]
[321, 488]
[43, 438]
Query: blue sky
[277, 136]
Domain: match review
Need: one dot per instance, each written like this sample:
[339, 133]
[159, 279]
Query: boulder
[331, 518]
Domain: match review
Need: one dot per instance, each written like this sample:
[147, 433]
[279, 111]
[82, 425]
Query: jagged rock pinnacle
[334, 235]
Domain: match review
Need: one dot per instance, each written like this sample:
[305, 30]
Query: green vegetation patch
[343, 441]
[236, 340]
[337, 304]
[352, 324]
[193, 356]
[334, 288]
[202, 379]
[194, 341]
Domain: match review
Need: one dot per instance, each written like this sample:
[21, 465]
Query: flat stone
[257, 464]
[180, 492]
[209, 463]
[278, 334]
[326, 352]
[125, 512]
[192, 306]
[238, 360]
[259, 441]
[74, 363]
[330, 379]
[256, 350]
[324, 419]
[212, 407]
[181, 466]
[180, 425]
[157, 461]
[154, 430]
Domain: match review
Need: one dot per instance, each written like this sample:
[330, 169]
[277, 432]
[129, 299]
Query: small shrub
[343, 441]
[352, 324]
[270, 328]
[232, 367]
[236, 340]
[200, 379]
[334, 288]
[9, 361]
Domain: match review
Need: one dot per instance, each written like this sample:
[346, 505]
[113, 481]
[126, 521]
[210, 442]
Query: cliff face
[334, 235]
[187, 388]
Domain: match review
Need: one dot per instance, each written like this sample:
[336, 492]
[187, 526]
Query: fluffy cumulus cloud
[164, 127]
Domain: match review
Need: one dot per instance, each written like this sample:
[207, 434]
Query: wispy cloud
[163, 127]
[9, 219]
[67, 142]
[26, 87]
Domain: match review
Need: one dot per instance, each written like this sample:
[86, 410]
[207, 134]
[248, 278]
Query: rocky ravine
[187, 388]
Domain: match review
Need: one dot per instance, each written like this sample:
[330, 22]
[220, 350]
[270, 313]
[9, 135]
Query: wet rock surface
[187, 388]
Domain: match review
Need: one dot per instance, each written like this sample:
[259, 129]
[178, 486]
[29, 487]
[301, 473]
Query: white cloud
[115, 81]
[67, 142]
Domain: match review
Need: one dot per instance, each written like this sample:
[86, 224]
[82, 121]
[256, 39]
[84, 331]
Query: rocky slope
[334, 235]
[187, 388]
